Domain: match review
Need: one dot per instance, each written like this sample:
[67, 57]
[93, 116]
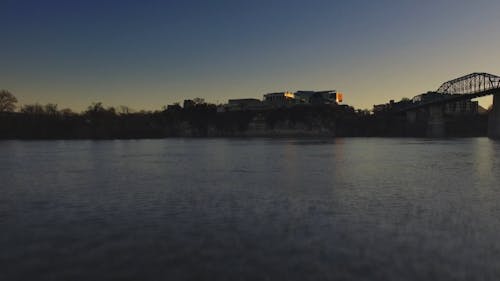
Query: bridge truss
[471, 84]
[467, 87]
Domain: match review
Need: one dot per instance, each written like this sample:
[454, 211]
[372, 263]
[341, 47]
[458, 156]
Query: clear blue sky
[146, 54]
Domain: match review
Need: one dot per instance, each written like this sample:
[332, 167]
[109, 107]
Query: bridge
[467, 87]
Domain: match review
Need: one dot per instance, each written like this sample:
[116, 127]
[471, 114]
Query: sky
[146, 54]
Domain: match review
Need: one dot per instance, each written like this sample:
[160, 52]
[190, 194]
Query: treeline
[203, 120]
[198, 120]
[47, 122]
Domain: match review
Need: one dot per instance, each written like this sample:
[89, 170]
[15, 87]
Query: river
[250, 209]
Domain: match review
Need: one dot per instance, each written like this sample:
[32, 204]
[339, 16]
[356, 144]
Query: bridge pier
[494, 119]
[436, 123]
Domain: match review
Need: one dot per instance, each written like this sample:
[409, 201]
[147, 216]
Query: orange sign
[340, 97]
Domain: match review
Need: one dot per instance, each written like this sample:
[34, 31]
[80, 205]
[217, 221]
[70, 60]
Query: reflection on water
[259, 209]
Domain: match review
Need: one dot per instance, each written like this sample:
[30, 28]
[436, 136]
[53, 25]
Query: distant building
[429, 97]
[280, 98]
[452, 108]
[318, 97]
[379, 108]
[244, 104]
[188, 104]
[330, 96]
[392, 105]
[173, 107]
[303, 97]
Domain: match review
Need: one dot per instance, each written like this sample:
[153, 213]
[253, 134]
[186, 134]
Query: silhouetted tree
[95, 107]
[67, 112]
[7, 101]
[51, 109]
[97, 111]
[363, 112]
[199, 100]
[32, 109]
[111, 110]
[123, 109]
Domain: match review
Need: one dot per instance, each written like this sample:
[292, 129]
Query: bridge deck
[453, 98]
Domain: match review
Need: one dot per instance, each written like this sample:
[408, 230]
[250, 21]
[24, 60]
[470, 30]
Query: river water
[250, 209]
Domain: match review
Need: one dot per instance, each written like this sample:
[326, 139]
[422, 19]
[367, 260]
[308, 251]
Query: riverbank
[205, 121]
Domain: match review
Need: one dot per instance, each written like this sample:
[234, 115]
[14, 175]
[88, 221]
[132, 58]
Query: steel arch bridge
[467, 87]
[474, 85]
[471, 84]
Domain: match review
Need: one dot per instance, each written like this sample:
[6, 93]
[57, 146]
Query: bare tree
[33, 109]
[7, 101]
[51, 109]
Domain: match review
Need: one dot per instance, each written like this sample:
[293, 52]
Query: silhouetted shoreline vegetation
[201, 119]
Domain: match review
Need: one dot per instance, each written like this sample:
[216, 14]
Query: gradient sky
[146, 54]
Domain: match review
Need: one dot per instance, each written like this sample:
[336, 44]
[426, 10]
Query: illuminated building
[280, 98]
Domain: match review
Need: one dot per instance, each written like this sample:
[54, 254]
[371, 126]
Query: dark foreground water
[345, 209]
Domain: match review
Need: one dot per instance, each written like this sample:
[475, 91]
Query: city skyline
[147, 55]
